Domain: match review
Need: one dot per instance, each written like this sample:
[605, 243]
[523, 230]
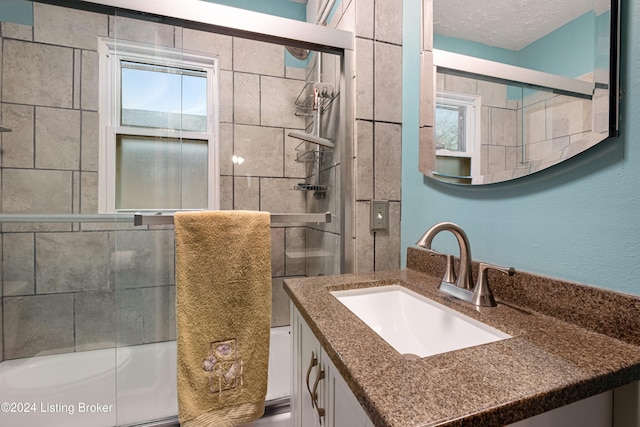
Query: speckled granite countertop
[558, 354]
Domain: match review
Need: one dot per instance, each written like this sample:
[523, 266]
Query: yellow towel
[223, 314]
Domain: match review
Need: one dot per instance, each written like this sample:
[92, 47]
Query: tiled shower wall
[377, 25]
[552, 126]
[70, 287]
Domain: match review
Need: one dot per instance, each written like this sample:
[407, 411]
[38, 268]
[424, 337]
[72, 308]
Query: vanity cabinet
[320, 396]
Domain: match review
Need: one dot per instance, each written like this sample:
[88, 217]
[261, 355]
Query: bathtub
[87, 389]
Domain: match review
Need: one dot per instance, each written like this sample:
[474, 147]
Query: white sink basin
[414, 324]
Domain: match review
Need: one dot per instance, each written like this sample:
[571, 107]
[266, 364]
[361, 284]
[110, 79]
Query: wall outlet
[379, 215]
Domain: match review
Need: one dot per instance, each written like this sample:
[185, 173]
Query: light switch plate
[379, 215]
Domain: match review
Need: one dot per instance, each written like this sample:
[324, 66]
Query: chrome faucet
[479, 295]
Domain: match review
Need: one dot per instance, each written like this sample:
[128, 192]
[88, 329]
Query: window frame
[111, 53]
[473, 108]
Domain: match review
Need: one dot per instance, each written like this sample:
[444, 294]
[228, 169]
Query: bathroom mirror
[519, 86]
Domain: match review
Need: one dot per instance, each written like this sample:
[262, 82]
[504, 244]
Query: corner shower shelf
[314, 96]
[304, 154]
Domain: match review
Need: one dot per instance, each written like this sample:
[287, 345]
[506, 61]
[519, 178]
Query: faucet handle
[482, 295]
[449, 272]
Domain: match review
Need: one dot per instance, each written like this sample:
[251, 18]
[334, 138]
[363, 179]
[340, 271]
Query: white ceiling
[509, 24]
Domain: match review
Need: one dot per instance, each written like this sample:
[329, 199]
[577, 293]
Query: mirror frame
[432, 59]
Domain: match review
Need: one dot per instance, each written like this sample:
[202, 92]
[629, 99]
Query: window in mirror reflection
[457, 130]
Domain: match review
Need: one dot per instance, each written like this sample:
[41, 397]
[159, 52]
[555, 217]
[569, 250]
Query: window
[457, 132]
[159, 122]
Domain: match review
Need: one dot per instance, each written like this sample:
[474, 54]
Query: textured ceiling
[509, 24]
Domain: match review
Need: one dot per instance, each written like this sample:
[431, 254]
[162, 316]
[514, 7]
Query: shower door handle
[313, 362]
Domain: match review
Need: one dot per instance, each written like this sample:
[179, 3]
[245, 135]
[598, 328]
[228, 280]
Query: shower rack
[314, 96]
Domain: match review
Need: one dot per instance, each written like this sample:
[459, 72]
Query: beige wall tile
[364, 79]
[364, 160]
[246, 193]
[82, 266]
[37, 74]
[226, 149]
[95, 323]
[159, 313]
[129, 317]
[427, 25]
[262, 149]
[503, 127]
[216, 44]
[153, 33]
[39, 325]
[493, 94]
[365, 256]
[277, 195]
[292, 148]
[388, 83]
[496, 159]
[567, 116]
[36, 191]
[17, 145]
[153, 254]
[77, 73]
[89, 192]
[388, 161]
[68, 27]
[258, 57]
[460, 84]
[387, 250]
[535, 127]
[226, 97]
[278, 102]
[388, 21]
[89, 84]
[295, 244]
[16, 31]
[18, 259]
[277, 252]
[226, 192]
[246, 99]
[364, 18]
[89, 137]
[57, 138]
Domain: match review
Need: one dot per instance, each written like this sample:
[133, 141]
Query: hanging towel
[223, 315]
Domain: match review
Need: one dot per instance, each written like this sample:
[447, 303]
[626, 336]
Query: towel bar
[276, 218]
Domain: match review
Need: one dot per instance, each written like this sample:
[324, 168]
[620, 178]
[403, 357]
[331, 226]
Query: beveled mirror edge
[426, 138]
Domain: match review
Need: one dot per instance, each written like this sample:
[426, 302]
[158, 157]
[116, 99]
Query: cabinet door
[321, 397]
[344, 409]
[307, 376]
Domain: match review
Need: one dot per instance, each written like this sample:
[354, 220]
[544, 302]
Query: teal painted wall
[577, 221]
[478, 50]
[17, 11]
[548, 53]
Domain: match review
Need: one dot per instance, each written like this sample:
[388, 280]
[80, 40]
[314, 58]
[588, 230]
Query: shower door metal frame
[211, 17]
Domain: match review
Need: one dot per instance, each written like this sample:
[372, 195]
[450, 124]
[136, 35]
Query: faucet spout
[465, 276]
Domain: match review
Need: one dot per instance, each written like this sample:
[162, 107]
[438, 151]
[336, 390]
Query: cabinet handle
[313, 362]
[314, 395]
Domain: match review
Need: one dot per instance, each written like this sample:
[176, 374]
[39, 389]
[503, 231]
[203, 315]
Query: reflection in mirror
[518, 90]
